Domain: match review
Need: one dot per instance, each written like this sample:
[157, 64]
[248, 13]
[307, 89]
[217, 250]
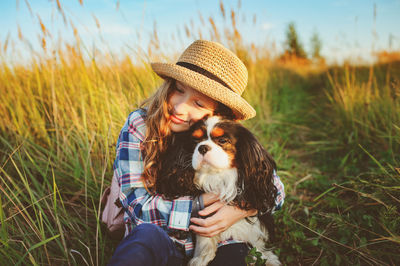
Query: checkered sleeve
[280, 197]
[141, 206]
[170, 215]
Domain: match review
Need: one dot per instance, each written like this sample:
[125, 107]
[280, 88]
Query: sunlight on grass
[333, 130]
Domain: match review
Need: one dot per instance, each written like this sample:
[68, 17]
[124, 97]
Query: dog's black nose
[203, 149]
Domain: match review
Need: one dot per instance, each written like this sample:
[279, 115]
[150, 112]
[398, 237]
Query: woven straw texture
[222, 63]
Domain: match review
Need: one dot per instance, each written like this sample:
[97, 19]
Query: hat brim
[241, 108]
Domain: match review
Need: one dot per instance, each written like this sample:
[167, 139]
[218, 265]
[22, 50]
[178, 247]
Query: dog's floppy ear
[255, 173]
[176, 173]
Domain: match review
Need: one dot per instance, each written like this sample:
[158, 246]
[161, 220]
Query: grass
[343, 204]
[59, 130]
[334, 132]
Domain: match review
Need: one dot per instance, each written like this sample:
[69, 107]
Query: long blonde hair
[158, 133]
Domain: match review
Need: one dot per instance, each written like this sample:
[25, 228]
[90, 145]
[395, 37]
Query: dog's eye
[222, 141]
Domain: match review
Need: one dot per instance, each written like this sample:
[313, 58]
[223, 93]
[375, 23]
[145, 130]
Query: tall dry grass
[365, 104]
[59, 123]
[61, 114]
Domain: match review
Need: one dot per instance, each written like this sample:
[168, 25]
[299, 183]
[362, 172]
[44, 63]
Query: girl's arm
[171, 215]
[140, 206]
[280, 196]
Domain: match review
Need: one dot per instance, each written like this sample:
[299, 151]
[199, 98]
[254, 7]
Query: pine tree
[293, 45]
[316, 45]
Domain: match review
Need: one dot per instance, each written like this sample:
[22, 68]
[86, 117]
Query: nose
[203, 149]
[181, 106]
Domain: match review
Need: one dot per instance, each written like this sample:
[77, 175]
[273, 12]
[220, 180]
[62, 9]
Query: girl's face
[188, 106]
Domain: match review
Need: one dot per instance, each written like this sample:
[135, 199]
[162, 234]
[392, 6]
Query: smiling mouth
[177, 120]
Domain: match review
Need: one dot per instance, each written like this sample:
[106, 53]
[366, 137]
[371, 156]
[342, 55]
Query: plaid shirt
[142, 207]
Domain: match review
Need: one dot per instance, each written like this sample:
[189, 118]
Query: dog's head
[225, 144]
[216, 143]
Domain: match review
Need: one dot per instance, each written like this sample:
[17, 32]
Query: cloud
[116, 29]
[267, 26]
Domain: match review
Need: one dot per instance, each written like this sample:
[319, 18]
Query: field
[333, 130]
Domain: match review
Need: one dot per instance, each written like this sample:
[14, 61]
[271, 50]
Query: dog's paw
[197, 261]
[272, 259]
[202, 260]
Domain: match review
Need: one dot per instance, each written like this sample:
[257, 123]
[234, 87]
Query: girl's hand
[224, 217]
[209, 198]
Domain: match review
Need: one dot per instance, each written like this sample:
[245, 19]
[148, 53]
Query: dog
[230, 162]
[221, 156]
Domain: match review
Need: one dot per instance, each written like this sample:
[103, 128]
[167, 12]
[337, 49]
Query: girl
[208, 79]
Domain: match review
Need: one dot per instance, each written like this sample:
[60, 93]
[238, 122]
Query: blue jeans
[150, 245]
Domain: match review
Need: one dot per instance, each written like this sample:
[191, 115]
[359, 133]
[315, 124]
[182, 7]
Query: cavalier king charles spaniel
[221, 156]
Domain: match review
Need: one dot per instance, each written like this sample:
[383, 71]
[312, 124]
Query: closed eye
[199, 104]
[179, 90]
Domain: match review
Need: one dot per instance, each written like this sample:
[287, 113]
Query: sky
[348, 29]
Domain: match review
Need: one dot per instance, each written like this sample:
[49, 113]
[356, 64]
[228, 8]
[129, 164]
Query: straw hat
[214, 71]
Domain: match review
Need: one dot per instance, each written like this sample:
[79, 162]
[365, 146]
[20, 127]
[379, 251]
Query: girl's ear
[255, 169]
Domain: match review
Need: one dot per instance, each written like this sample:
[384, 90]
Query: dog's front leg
[206, 248]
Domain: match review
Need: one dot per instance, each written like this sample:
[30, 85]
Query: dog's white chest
[220, 182]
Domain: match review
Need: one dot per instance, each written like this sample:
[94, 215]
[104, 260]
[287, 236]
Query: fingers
[209, 198]
[251, 212]
[224, 216]
[203, 222]
[204, 226]
[207, 231]
[210, 226]
[211, 208]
